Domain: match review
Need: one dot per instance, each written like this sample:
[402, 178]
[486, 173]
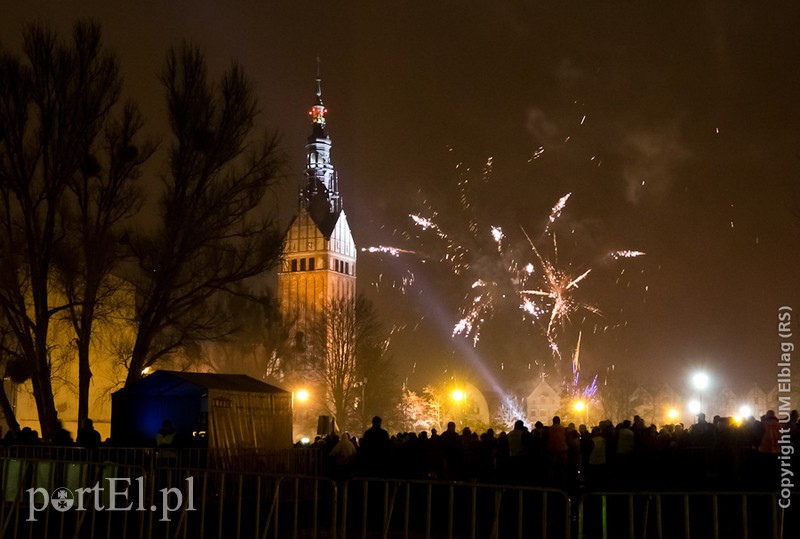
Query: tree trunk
[138, 356]
[84, 370]
[8, 411]
[84, 380]
[45, 403]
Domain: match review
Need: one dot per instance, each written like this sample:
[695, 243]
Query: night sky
[674, 126]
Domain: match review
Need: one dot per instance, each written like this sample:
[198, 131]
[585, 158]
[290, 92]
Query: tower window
[302, 264]
[336, 264]
[347, 268]
[311, 264]
[294, 265]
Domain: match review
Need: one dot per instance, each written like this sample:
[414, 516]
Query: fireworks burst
[504, 272]
[544, 291]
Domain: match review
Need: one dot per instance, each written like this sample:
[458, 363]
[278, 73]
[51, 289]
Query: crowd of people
[721, 454]
[87, 437]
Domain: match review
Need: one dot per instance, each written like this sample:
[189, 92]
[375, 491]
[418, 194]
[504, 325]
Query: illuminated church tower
[319, 253]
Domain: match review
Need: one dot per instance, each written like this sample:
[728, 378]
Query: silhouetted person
[375, 448]
[516, 471]
[62, 436]
[557, 453]
[165, 437]
[453, 452]
[88, 437]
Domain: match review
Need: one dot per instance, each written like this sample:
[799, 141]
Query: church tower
[319, 263]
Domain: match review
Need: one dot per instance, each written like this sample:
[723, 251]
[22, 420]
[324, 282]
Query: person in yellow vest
[166, 435]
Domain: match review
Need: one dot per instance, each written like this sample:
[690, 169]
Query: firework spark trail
[394, 251]
[555, 213]
[616, 255]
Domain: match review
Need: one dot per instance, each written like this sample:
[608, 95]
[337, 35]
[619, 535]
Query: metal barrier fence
[167, 502]
[294, 461]
[397, 508]
[178, 502]
[726, 515]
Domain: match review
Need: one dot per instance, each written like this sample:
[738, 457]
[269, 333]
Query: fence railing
[293, 461]
[717, 515]
[107, 499]
[192, 502]
[398, 508]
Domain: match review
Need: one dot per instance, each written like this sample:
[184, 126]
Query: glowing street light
[673, 414]
[694, 406]
[460, 398]
[745, 411]
[700, 380]
[581, 406]
[302, 395]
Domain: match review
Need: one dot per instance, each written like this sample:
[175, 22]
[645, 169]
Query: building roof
[197, 383]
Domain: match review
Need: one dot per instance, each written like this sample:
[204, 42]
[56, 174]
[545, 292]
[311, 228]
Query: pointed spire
[318, 111]
[321, 192]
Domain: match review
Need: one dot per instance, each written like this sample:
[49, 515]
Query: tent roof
[196, 383]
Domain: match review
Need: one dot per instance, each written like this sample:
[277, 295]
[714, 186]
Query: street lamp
[460, 398]
[745, 411]
[700, 380]
[300, 415]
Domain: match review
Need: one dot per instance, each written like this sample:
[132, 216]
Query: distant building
[726, 404]
[543, 403]
[319, 252]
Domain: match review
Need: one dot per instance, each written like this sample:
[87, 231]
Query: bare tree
[211, 233]
[332, 341]
[54, 100]
[259, 343]
[352, 364]
[378, 383]
[617, 396]
[103, 197]
[10, 360]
